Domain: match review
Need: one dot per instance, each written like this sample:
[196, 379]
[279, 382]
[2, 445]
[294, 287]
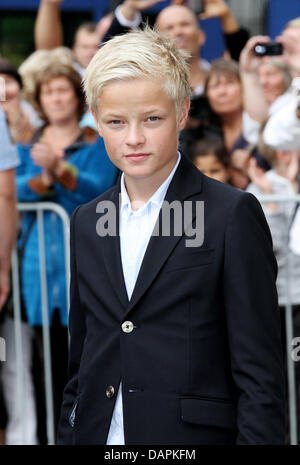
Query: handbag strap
[25, 238]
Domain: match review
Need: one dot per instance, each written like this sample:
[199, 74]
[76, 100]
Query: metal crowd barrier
[39, 208]
[292, 395]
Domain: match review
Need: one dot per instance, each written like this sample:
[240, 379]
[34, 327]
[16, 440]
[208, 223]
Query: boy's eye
[115, 122]
[153, 118]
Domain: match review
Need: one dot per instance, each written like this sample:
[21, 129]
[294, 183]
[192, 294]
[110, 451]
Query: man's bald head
[181, 23]
[175, 10]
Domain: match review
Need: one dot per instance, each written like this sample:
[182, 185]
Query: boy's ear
[184, 114]
[96, 121]
[202, 38]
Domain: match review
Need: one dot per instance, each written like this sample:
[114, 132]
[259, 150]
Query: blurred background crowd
[243, 129]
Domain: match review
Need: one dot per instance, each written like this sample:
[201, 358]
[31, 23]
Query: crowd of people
[243, 130]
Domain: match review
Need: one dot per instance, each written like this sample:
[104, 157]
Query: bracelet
[38, 186]
[68, 177]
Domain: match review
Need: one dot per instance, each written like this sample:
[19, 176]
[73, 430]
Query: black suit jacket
[203, 363]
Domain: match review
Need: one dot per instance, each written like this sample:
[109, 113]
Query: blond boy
[174, 322]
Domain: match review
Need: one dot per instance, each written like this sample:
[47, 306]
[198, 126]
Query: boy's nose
[135, 136]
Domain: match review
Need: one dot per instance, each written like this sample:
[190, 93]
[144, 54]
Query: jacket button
[127, 326]
[110, 390]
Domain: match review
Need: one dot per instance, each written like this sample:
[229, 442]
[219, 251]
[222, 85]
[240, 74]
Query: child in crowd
[210, 156]
[206, 149]
[240, 162]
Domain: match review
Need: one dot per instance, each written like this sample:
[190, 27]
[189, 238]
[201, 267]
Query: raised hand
[52, 1]
[43, 156]
[291, 56]
[249, 62]
[131, 7]
[258, 177]
[293, 167]
[240, 159]
[214, 9]
[142, 4]
[289, 166]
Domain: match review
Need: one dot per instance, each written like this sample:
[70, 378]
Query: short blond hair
[139, 54]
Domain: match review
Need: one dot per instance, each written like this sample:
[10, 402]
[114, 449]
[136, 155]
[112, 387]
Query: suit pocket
[188, 259]
[209, 412]
[72, 416]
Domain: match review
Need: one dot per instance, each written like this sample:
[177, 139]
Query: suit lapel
[187, 181]
[112, 254]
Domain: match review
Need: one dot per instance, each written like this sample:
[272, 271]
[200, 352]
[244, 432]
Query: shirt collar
[156, 199]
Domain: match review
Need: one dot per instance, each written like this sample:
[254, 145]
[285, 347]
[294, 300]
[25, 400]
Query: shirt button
[110, 390]
[127, 326]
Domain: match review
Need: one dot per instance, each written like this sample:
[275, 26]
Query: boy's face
[138, 124]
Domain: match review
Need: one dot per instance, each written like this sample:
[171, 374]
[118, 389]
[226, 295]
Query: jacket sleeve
[236, 41]
[253, 324]
[77, 331]
[115, 29]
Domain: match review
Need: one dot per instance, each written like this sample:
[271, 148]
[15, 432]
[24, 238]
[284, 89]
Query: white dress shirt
[136, 227]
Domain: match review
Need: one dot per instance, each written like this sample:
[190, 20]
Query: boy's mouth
[137, 156]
